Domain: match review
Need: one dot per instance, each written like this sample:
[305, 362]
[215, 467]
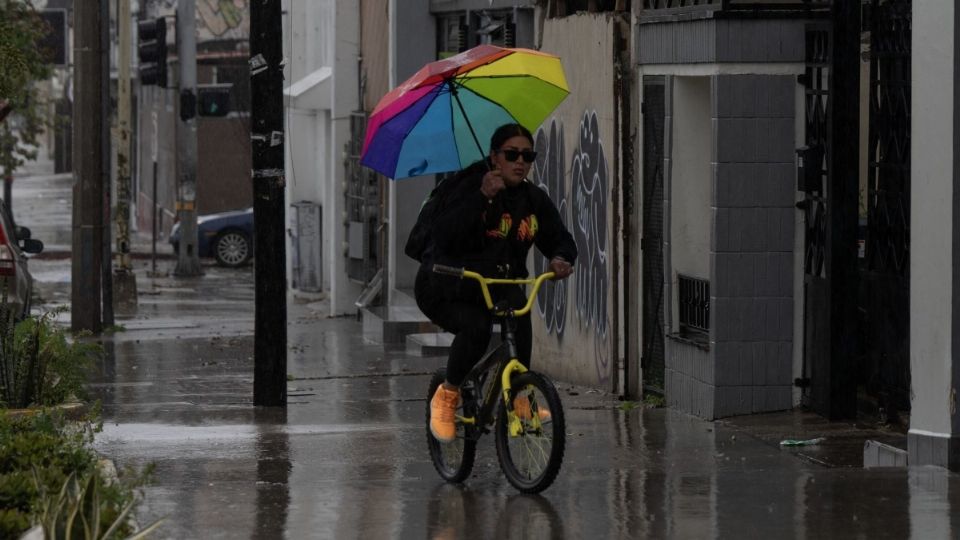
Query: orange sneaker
[443, 409]
[521, 406]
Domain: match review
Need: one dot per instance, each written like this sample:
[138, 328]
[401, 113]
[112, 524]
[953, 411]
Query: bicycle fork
[513, 367]
[513, 421]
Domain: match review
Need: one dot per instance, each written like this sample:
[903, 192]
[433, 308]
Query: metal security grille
[812, 180]
[652, 353]
[693, 304]
[886, 273]
[813, 158]
[681, 4]
[362, 197]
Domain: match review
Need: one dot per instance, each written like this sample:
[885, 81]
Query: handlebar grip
[448, 270]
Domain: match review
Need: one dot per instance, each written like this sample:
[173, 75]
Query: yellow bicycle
[522, 405]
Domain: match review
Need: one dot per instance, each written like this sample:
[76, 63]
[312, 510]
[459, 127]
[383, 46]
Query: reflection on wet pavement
[347, 459]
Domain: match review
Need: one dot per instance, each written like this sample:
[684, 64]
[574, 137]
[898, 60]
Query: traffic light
[214, 100]
[152, 51]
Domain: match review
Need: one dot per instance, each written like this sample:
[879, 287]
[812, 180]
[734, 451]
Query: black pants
[458, 308]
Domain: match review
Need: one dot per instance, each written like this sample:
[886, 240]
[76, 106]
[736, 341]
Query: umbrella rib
[464, 78]
[453, 93]
[485, 98]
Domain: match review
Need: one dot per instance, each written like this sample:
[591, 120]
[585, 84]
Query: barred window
[694, 304]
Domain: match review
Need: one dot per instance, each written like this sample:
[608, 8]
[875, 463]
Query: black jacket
[494, 236]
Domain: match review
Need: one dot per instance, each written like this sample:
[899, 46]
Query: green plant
[38, 365]
[628, 405]
[50, 476]
[653, 400]
[22, 64]
[77, 510]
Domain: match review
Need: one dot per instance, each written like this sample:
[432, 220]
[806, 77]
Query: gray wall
[748, 366]
[691, 181]
[752, 243]
[934, 240]
[414, 45]
[721, 40]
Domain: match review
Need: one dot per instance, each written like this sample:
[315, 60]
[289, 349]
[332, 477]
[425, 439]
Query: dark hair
[508, 131]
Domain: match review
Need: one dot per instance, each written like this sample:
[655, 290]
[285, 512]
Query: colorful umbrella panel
[440, 121]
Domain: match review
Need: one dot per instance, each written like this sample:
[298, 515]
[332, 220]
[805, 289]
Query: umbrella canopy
[440, 119]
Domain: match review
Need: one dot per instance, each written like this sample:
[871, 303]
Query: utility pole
[124, 280]
[843, 200]
[270, 321]
[88, 123]
[106, 265]
[188, 261]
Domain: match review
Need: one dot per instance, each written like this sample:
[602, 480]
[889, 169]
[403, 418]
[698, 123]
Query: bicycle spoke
[532, 446]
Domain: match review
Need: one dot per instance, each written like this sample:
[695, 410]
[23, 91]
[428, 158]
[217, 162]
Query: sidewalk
[43, 202]
[347, 457]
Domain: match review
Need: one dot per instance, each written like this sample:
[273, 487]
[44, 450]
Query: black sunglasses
[512, 155]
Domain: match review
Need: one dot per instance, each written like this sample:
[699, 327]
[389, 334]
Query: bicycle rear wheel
[531, 460]
[453, 460]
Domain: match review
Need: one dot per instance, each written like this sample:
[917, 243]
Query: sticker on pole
[258, 64]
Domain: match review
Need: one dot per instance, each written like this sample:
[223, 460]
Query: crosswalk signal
[152, 51]
[214, 100]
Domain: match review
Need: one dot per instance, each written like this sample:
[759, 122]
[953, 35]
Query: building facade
[762, 194]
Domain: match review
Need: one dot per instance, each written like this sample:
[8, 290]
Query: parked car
[15, 278]
[226, 236]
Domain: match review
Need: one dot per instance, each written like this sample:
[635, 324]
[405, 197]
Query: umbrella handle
[453, 92]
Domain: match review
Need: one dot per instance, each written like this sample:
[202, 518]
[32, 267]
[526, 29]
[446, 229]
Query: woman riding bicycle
[487, 223]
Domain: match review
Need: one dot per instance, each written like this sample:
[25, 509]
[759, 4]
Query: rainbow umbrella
[442, 118]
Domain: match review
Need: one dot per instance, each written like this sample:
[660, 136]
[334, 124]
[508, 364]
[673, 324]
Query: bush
[50, 476]
[38, 365]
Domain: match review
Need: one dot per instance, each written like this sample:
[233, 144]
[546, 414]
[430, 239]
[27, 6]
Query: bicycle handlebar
[484, 282]
[448, 270]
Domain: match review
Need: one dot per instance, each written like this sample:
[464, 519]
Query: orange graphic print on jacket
[525, 233]
[528, 228]
[506, 222]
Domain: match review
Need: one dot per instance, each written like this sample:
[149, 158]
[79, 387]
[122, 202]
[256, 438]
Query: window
[451, 35]
[694, 305]
[497, 29]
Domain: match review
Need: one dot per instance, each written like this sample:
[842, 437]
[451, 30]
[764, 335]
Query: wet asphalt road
[347, 458]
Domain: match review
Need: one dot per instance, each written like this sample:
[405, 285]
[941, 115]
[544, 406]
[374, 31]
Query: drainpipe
[667, 178]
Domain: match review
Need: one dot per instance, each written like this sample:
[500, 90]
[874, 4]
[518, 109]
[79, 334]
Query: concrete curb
[60, 254]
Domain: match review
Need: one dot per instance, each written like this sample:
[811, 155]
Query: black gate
[847, 355]
[885, 277]
[812, 181]
[652, 359]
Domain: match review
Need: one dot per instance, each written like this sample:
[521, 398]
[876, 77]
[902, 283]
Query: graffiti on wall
[222, 17]
[587, 206]
[216, 19]
[590, 186]
[548, 173]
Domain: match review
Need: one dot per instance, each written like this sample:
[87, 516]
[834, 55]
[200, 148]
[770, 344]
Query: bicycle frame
[509, 363]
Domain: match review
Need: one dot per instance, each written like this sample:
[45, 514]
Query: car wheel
[232, 249]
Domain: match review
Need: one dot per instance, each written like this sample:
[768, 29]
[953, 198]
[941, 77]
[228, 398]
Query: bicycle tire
[518, 455]
[454, 460]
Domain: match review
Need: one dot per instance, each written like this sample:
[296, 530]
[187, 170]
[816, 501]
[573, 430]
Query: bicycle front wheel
[453, 460]
[531, 458]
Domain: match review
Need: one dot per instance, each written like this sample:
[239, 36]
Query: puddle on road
[172, 433]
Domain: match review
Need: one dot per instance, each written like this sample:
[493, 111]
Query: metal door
[812, 181]
[652, 353]
[885, 270]
[363, 208]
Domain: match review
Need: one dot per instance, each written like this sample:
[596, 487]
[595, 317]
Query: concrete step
[392, 324]
[878, 454]
[404, 298]
[432, 344]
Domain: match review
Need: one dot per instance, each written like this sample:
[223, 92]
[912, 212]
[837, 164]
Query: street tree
[22, 65]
